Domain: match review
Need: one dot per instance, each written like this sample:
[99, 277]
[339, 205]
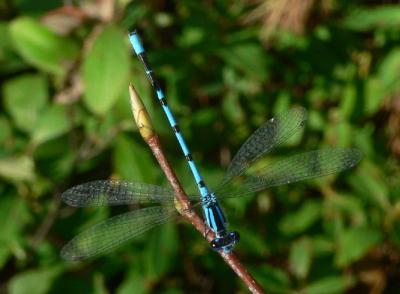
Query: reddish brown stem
[182, 202]
[190, 215]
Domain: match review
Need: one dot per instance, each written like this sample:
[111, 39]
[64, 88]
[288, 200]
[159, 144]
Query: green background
[226, 67]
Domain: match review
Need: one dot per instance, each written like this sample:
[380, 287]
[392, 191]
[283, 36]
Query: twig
[46, 225]
[182, 202]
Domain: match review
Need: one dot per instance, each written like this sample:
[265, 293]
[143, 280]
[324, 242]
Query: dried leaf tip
[140, 115]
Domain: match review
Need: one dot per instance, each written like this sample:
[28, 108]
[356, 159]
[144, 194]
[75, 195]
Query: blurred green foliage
[65, 119]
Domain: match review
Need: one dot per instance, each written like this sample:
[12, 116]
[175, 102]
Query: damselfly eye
[217, 244]
[234, 237]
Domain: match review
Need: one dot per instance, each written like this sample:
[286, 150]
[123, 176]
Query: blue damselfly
[243, 177]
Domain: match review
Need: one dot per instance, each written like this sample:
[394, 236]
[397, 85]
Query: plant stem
[182, 202]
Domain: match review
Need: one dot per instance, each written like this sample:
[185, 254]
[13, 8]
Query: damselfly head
[226, 242]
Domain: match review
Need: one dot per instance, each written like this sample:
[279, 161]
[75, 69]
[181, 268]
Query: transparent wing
[115, 192]
[270, 135]
[115, 231]
[294, 168]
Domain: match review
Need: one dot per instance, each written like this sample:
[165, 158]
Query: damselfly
[245, 175]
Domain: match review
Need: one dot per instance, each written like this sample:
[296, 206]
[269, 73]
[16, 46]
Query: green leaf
[36, 281]
[346, 203]
[232, 108]
[5, 130]
[389, 71]
[24, 98]
[375, 94]
[134, 282]
[254, 243]
[364, 19]
[131, 161]
[316, 120]
[14, 217]
[302, 219]
[51, 124]
[99, 284]
[329, 285]
[355, 243]
[191, 36]
[348, 102]
[340, 133]
[106, 70]
[300, 258]
[249, 58]
[371, 184]
[5, 42]
[17, 168]
[273, 279]
[9, 60]
[161, 251]
[41, 47]
[204, 117]
[322, 245]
